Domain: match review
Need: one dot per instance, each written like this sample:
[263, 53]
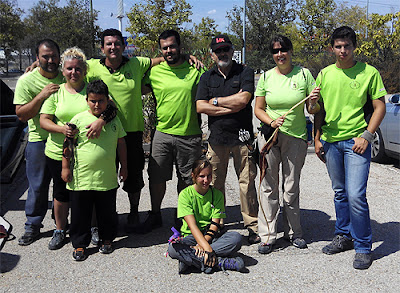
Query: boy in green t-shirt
[93, 180]
[343, 142]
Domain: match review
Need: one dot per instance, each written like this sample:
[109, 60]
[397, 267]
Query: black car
[13, 136]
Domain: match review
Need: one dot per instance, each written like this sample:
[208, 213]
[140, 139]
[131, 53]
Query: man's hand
[319, 150]
[360, 145]
[48, 90]
[32, 66]
[66, 175]
[95, 128]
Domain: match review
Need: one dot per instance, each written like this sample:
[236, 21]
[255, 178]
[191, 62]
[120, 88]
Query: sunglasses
[283, 50]
[225, 49]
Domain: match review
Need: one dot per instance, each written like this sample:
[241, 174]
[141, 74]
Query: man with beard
[177, 138]
[225, 93]
[31, 91]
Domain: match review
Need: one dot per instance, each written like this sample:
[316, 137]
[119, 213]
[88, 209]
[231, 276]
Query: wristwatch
[215, 102]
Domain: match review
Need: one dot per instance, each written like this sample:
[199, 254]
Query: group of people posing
[95, 106]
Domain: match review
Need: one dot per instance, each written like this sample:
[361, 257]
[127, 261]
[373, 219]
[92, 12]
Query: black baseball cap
[220, 41]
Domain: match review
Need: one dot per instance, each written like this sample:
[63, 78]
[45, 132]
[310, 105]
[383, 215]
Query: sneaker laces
[227, 264]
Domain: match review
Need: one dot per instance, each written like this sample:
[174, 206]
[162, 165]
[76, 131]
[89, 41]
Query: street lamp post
[244, 33]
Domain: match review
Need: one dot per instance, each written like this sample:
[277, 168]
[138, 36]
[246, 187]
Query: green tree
[149, 18]
[264, 19]
[11, 28]
[71, 25]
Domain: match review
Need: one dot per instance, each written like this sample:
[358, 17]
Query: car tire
[378, 148]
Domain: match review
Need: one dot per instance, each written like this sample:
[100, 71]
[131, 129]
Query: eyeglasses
[219, 50]
[283, 50]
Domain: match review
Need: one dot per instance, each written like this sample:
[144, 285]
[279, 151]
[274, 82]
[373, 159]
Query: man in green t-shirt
[32, 89]
[343, 141]
[177, 139]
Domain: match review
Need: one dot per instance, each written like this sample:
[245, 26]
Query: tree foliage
[264, 19]
[11, 28]
[71, 25]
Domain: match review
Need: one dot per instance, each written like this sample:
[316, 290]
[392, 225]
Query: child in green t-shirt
[93, 180]
[202, 207]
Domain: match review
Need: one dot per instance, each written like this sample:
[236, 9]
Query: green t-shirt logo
[354, 84]
[294, 85]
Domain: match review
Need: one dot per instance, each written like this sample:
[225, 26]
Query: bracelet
[271, 123]
[368, 136]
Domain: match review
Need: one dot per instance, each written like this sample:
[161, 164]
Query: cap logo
[220, 40]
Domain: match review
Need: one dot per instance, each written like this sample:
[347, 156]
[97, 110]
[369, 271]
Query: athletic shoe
[106, 248]
[362, 261]
[253, 237]
[338, 244]
[299, 243]
[79, 254]
[28, 238]
[95, 236]
[230, 263]
[58, 240]
[264, 248]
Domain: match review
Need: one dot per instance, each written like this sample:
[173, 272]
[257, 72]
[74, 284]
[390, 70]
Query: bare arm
[203, 106]
[313, 106]
[122, 156]
[47, 123]
[66, 173]
[318, 120]
[361, 144]
[31, 109]
[234, 102]
[259, 111]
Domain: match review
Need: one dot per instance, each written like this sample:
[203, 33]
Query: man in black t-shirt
[225, 93]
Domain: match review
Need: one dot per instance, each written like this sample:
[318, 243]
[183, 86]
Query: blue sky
[215, 9]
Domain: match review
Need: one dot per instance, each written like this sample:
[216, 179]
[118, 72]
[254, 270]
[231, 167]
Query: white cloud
[212, 11]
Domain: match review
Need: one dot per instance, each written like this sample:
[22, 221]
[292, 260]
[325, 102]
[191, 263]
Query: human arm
[95, 127]
[47, 123]
[31, 109]
[203, 106]
[235, 102]
[313, 106]
[360, 143]
[122, 156]
[259, 111]
[202, 244]
[318, 120]
[32, 66]
[66, 173]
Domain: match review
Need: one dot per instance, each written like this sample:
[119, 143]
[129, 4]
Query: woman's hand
[199, 251]
[69, 131]
[278, 122]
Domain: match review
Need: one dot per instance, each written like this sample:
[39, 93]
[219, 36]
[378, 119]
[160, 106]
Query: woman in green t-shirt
[201, 206]
[56, 111]
[277, 91]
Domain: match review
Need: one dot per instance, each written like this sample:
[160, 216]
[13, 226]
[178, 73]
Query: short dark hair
[111, 32]
[48, 43]
[282, 40]
[97, 87]
[170, 33]
[344, 32]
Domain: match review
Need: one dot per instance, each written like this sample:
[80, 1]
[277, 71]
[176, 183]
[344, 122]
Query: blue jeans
[39, 179]
[349, 175]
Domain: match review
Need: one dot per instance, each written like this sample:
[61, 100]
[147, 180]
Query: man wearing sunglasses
[225, 93]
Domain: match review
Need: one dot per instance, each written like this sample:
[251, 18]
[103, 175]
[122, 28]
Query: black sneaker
[264, 248]
[253, 237]
[79, 254]
[106, 248]
[58, 240]
[95, 236]
[362, 261]
[230, 263]
[28, 238]
[299, 243]
[152, 221]
[338, 244]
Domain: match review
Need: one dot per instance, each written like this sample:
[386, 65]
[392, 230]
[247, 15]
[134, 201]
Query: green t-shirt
[344, 93]
[203, 207]
[28, 87]
[64, 106]
[282, 92]
[125, 86]
[95, 167]
[175, 90]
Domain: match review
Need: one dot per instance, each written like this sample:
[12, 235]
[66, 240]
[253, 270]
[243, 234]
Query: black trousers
[82, 203]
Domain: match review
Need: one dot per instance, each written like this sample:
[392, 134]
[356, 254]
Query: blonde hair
[73, 53]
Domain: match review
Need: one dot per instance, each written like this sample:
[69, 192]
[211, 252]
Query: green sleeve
[185, 204]
[260, 90]
[50, 104]
[376, 89]
[218, 212]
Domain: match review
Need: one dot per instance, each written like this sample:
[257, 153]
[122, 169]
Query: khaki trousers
[246, 172]
[290, 152]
